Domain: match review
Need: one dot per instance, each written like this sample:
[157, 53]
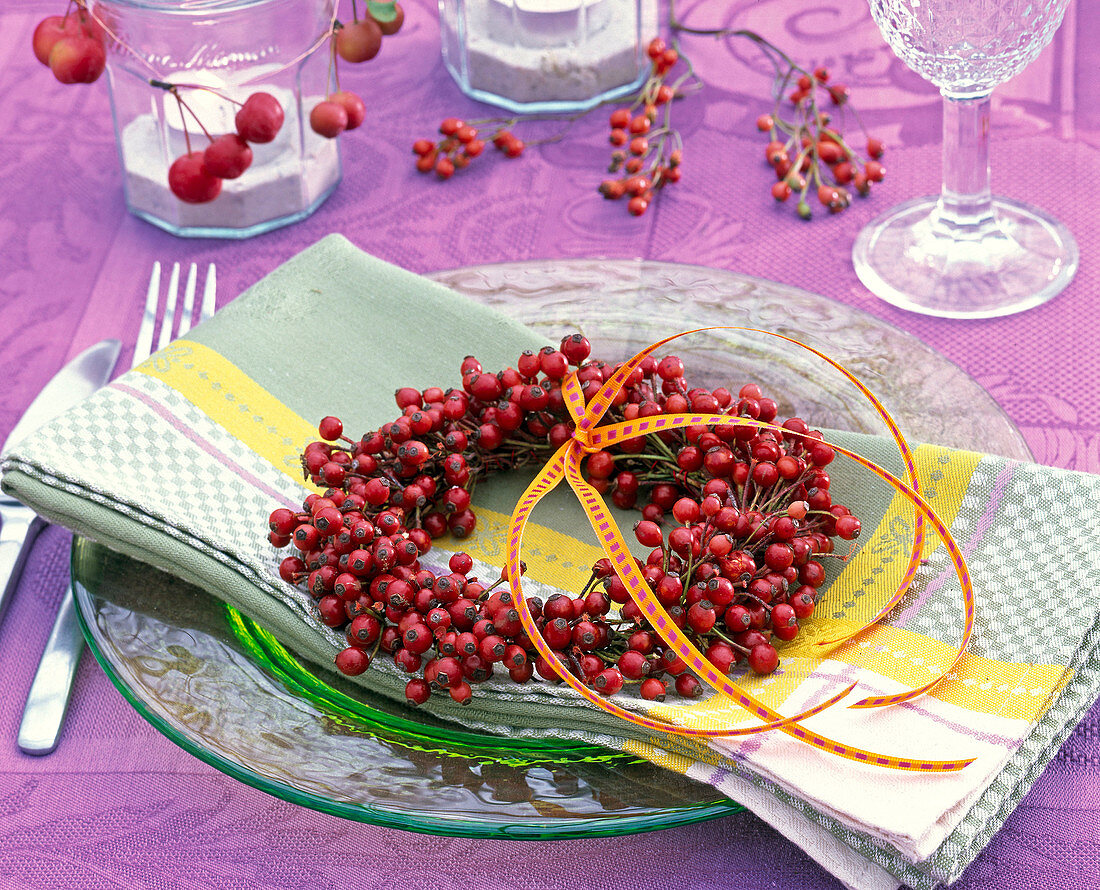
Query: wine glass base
[910, 259]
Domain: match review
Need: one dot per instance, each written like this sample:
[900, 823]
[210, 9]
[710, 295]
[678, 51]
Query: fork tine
[208, 293]
[188, 301]
[144, 345]
[169, 307]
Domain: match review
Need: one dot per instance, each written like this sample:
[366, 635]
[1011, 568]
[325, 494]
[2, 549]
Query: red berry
[633, 665]
[688, 686]
[701, 617]
[875, 148]
[260, 118]
[352, 661]
[848, 527]
[426, 163]
[359, 41]
[763, 659]
[685, 510]
[648, 534]
[417, 691]
[190, 182]
[227, 157]
[608, 681]
[829, 152]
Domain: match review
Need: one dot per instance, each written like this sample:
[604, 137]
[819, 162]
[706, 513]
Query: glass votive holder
[547, 55]
[217, 53]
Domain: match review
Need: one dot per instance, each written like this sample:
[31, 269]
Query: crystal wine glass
[966, 253]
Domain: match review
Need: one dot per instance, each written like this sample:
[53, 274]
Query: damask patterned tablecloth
[117, 805]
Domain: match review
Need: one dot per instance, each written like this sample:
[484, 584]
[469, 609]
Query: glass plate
[220, 687]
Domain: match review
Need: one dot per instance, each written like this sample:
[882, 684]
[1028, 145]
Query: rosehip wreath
[737, 519]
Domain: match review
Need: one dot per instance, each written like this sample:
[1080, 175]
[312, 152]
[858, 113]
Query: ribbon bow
[589, 438]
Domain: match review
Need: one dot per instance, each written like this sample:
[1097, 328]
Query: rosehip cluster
[461, 143]
[647, 154]
[71, 45]
[808, 150]
[738, 520]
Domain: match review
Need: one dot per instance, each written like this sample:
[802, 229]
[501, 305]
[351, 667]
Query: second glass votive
[547, 55]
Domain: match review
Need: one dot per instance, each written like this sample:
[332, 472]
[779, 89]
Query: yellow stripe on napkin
[944, 477]
[250, 413]
[235, 401]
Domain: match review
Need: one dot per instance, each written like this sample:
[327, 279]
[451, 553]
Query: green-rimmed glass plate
[219, 686]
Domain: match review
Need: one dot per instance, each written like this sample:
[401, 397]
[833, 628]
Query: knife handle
[48, 699]
[20, 528]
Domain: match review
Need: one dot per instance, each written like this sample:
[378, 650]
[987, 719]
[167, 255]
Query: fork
[52, 686]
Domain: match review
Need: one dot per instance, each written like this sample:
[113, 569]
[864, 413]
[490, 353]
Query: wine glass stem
[966, 202]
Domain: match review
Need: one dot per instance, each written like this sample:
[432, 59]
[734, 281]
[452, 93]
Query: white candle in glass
[546, 23]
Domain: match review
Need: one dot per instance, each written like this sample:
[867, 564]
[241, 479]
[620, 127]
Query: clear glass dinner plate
[223, 689]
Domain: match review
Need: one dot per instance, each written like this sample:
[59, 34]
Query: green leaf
[382, 10]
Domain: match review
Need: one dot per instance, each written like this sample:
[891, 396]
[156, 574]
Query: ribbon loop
[588, 438]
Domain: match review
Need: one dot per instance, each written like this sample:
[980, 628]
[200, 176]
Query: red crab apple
[353, 105]
[189, 180]
[50, 30]
[77, 59]
[359, 41]
[394, 24]
[227, 157]
[328, 119]
[260, 118]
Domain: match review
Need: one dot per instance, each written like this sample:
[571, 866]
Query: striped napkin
[179, 462]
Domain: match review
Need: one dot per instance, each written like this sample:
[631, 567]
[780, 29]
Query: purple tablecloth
[117, 805]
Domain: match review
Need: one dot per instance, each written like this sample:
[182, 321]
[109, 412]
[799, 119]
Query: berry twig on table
[647, 151]
[736, 522]
[807, 149]
[462, 142]
[465, 140]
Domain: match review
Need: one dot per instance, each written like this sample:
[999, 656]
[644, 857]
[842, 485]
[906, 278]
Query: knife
[19, 525]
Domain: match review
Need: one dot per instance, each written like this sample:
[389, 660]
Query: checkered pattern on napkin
[179, 463]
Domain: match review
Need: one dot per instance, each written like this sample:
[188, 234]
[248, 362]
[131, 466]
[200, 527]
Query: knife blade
[19, 525]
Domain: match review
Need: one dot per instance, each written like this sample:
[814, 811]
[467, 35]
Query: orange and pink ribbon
[589, 438]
